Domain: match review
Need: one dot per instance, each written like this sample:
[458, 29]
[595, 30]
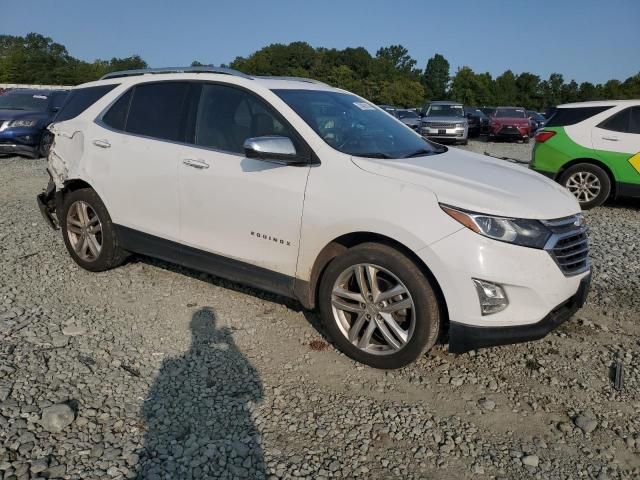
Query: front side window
[227, 116]
[157, 110]
[31, 101]
[80, 99]
[625, 121]
[354, 126]
[445, 111]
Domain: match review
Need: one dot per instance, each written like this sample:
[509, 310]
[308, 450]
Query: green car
[593, 149]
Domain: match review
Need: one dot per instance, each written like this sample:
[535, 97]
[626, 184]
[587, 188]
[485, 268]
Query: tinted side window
[228, 116]
[157, 110]
[635, 120]
[58, 99]
[116, 117]
[618, 122]
[570, 116]
[81, 99]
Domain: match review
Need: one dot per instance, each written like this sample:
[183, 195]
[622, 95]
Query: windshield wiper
[372, 155]
[419, 153]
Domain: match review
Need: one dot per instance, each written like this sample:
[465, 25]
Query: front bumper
[463, 338]
[444, 133]
[20, 141]
[10, 148]
[510, 132]
[532, 280]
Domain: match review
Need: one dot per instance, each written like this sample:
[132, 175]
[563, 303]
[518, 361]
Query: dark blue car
[24, 116]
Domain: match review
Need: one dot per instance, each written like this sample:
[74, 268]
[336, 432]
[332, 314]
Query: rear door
[135, 148]
[619, 133]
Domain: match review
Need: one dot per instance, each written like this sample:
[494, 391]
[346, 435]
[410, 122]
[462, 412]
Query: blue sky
[583, 39]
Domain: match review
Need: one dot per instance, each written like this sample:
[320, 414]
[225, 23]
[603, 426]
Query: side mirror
[275, 149]
[55, 109]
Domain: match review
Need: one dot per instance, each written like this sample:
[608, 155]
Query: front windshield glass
[510, 113]
[354, 126]
[24, 101]
[445, 111]
[407, 114]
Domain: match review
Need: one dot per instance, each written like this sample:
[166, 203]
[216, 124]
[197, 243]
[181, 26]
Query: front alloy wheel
[378, 306]
[373, 309]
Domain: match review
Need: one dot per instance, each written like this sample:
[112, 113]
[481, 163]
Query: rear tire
[589, 183]
[88, 232]
[410, 316]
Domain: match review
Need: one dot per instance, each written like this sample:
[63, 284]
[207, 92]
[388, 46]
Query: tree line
[391, 76]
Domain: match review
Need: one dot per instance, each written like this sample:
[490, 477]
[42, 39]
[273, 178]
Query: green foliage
[391, 77]
[436, 77]
[38, 59]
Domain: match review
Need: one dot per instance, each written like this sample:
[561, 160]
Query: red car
[510, 123]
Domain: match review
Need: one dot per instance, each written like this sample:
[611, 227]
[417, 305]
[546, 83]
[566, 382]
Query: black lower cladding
[628, 189]
[463, 338]
[218, 265]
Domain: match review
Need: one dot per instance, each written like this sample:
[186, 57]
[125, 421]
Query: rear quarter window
[81, 99]
[570, 116]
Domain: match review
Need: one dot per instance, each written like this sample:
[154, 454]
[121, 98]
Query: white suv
[312, 192]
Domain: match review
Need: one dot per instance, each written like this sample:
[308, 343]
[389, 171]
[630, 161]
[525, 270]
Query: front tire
[589, 183]
[88, 232]
[378, 307]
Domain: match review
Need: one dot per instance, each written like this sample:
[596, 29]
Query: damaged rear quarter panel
[66, 153]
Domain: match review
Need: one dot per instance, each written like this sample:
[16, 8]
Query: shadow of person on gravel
[197, 418]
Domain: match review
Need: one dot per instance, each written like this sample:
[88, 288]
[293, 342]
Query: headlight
[528, 233]
[23, 123]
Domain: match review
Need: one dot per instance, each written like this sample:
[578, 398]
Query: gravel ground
[153, 371]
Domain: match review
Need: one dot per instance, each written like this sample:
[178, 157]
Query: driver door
[245, 212]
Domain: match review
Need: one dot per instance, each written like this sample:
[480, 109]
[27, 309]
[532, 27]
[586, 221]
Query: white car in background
[314, 193]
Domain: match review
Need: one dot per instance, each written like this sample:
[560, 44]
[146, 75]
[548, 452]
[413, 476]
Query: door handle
[611, 139]
[200, 164]
[102, 143]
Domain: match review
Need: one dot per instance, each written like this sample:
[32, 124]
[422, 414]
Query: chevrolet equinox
[311, 192]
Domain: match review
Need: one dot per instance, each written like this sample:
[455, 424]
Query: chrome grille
[569, 244]
[439, 125]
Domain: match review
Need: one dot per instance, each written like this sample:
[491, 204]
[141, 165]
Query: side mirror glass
[272, 148]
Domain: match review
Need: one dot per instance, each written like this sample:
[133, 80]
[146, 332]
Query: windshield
[407, 114]
[24, 101]
[445, 111]
[354, 126]
[510, 113]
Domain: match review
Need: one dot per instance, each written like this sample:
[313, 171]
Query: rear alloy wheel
[88, 232]
[378, 306]
[589, 183]
[84, 231]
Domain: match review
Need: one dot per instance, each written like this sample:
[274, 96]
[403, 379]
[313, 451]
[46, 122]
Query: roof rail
[296, 79]
[154, 71]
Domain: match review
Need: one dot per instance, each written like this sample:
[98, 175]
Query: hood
[480, 184]
[410, 121]
[22, 114]
[444, 119]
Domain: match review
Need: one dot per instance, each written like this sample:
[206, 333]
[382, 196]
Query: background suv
[314, 193]
[510, 123]
[593, 149]
[24, 116]
[445, 121]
